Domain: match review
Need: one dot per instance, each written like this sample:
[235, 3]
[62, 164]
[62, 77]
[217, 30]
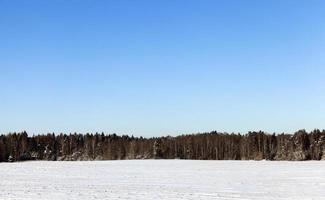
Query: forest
[201, 146]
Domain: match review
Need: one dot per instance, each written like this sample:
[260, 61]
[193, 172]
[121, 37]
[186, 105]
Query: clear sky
[154, 68]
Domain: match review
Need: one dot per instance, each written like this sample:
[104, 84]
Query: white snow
[162, 179]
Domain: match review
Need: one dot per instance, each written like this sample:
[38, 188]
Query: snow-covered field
[162, 179]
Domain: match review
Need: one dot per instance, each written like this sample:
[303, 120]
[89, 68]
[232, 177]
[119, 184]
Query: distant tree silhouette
[204, 146]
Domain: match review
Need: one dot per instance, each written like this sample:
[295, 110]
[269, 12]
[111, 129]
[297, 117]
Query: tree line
[202, 146]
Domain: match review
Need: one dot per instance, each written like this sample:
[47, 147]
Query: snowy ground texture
[163, 179]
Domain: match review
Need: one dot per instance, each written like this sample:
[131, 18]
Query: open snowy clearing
[163, 179]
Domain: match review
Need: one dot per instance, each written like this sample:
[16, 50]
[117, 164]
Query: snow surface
[163, 179]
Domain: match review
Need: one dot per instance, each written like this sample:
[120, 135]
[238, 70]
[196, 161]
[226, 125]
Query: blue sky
[154, 68]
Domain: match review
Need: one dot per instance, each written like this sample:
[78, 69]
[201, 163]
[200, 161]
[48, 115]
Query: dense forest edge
[203, 146]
